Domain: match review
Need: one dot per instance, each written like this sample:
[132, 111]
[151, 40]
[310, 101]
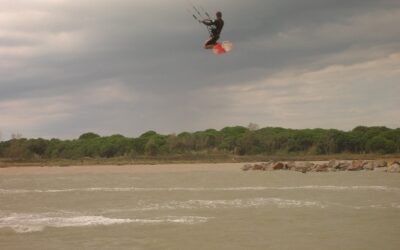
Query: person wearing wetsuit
[215, 30]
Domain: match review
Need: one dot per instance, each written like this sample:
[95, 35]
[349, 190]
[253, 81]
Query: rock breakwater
[326, 166]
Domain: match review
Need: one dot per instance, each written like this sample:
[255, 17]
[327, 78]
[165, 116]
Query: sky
[129, 66]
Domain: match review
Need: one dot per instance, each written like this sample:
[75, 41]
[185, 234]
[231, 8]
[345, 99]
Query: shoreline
[139, 168]
[299, 166]
[187, 159]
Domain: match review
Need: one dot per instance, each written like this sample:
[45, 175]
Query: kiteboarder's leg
[211, 42]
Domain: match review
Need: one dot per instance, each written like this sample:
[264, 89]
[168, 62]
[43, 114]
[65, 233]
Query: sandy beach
[161, 168]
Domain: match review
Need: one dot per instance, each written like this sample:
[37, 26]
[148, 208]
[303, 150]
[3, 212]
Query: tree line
[229, 140]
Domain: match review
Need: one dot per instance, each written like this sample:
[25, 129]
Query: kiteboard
[222, 48]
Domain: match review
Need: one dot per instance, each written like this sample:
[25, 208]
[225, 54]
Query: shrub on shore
[240, 141]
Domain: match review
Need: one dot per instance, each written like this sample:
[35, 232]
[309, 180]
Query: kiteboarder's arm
[208, 22]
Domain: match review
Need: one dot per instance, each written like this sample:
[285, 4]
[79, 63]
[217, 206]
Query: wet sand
[159, 168]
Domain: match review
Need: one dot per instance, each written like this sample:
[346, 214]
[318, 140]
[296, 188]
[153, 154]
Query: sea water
[200, 210]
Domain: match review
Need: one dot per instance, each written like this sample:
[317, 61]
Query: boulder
[267, 166]
[333, 164]
[344, 165]
[291, 165]
[303, 166]
[258, 166]
[369, 165]
[394, 167]
[278, 166]
[380, 164]
[321, 167]
[247, 167]
[356, 165]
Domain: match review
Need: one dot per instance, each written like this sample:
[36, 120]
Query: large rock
[335, 165]
[259, 166]
[356, 165]
[291, 165]
[278, 166]
[394, 167]
[304, 166]
[321, 167]
[247, 167]
[380, 164]
[369, 165]
[264, 166]
[267, 166]
[383, 169]
[344, 165]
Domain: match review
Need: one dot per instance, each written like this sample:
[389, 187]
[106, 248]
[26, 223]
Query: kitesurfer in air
[215, 30]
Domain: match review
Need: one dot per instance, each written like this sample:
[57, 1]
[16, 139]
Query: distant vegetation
[241, 141]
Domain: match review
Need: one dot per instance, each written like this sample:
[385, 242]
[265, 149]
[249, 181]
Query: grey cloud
[154, 49]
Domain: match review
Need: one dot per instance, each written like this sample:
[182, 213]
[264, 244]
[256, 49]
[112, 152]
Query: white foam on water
[25, 223]
[25, 191]
[315, 187]
[256, 203]
[395, 205]
[235, 203]
[197, 189]
[364, 207]
[186, 219]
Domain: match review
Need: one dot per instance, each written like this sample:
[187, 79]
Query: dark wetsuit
[216, 28]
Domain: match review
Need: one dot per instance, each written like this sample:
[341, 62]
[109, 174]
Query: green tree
[152, 148]
[17, 149]
[379, 144]
[38, 147]
[88, 136]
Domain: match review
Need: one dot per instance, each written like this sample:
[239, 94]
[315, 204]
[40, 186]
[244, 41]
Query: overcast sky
[128, 66]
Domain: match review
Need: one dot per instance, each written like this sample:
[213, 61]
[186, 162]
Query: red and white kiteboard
[222, 48]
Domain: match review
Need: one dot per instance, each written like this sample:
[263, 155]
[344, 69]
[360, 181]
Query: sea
[199, 209]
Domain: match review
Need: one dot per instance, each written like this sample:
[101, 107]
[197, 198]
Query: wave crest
[25, 223]
[197, 189]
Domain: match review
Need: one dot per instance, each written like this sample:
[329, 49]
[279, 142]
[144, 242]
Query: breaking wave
[197, 189]
[25, 223]
[222, 204]
[248, 203]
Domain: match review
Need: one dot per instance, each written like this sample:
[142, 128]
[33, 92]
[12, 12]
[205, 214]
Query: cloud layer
[129, 66]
